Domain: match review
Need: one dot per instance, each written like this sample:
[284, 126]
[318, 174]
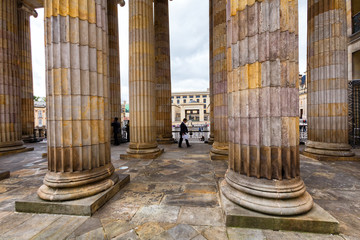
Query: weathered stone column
[162, 72]
[114, 60]
[220, 100]
[10, 85]
[327, 79]
[79, 161]
[211, 70]
[26, 78]
[264, 169]
[142, 82]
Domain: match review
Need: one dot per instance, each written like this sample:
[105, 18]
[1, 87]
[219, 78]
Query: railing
[356, 23]
[194, 136]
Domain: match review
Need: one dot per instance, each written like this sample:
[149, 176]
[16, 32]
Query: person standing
[116, 128]
[183, 133]
[128, 131]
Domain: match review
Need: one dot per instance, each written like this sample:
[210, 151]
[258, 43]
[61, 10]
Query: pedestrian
[116, 130]
[184, 133]
[128, 131]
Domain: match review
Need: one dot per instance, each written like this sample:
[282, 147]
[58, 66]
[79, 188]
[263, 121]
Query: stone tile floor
[172, 197]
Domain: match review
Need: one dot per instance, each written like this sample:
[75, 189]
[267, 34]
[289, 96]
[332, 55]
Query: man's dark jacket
[183, 129]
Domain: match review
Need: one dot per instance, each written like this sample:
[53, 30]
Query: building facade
[40, 114]
[194, 106]
[302, 97]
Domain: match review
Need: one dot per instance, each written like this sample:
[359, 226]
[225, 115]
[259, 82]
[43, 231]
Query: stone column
[211, 68]
[114, 60]
[26, 78]
[142, 82]
[79, 161]
[162, 72]
[219, 78]
[264, 169]
[10, 84]
[327, 79]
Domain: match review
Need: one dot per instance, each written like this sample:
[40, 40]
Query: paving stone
[130, 235]
[200, 216]
[96, 234]
[115, 227]
[61, 228]
[87, 226]
[182, 232]
[245, 234]
[148, 230]
[191, 200]
[13, 220]
[156, 213]
[31, 226]
[215, 233]
[199, 237]
[200, 188]
[163, 236]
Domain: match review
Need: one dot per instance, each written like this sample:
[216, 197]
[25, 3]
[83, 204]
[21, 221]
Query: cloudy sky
[189, 41]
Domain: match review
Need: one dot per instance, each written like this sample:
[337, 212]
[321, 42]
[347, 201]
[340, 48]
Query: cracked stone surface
[172, 197]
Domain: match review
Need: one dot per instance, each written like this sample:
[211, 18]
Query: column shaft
[211, 68]
[79, 161]
[142, 81]
[327, 79]
[114, 60]
[10, 85]
[262, 44]
[219, 78]
[26, 78]
[162, 72]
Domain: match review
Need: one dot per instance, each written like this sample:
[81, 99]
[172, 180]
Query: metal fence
[354, 112]
[194, 136]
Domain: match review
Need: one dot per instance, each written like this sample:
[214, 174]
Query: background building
[194, 106]
[40, 114]
[302, 97]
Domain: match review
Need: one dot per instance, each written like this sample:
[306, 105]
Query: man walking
[116, 128]
[183, 133]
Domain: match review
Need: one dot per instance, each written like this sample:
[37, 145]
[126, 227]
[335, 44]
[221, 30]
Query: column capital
[24, 7]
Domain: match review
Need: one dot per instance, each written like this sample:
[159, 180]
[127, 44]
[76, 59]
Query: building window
[204, 96]
[206, 118]
[355, 9]
[39, 114]
[184, 100]
[191, 100]
[177, 96]
[184, 96]
[204, 105]
[40, 122]
[205, 111]
[197, 100]
[177, 117]
[172, 101]
[204, 100]
[197, 96]
[191, 96]
[178, 101]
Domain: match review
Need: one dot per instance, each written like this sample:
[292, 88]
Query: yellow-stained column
[114, 61]
[327, 79]
[211, 70]
[264, 169]
[142, 82]
[26, 78]
[10, 84]
[162, 72]
[220, 147]
[79, 161]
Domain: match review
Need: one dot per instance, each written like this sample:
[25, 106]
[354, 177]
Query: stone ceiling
[35, 3]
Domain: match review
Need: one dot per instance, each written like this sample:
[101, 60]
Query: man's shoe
[189, 146]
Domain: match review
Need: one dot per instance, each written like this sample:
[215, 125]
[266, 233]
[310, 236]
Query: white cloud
[189, 42]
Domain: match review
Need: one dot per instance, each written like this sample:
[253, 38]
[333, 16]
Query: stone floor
[172, 197]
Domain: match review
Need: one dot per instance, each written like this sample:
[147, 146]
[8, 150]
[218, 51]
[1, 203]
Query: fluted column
[219, 78]
[142, 81]
[26, 78]
[10, 84]
[211, 70]
[79, 161]
[327, 79]
[114, 61]
[162, 72]
[264, 169]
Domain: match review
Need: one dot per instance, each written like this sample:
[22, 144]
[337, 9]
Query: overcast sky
[189, 42]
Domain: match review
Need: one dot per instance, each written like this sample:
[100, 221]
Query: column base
[322, 150]
[211, 140]
[142, 153]
[165, 141]
[14, 149]
[219, 151]
[273, 197]
[83, 207]
[29, 139]
[317, 220]
[77, 192]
